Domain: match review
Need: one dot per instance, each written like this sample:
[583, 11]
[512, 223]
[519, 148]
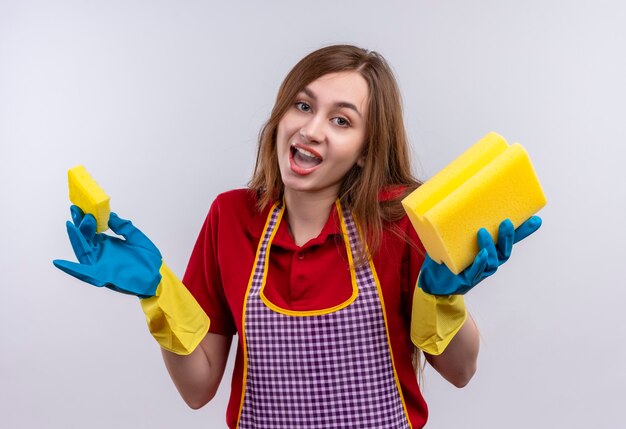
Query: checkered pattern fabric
[319, 371]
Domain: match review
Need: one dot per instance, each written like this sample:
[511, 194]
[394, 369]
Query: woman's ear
[361, 161]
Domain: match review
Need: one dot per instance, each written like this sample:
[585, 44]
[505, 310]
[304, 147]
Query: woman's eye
[302, 106]
[342, 122]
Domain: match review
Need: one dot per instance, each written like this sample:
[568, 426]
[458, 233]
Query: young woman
[314, 267]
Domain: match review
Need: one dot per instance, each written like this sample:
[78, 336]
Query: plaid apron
[328, 369]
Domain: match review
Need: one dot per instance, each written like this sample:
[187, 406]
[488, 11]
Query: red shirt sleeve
[203, 278]
[412, 260]
[413, 252]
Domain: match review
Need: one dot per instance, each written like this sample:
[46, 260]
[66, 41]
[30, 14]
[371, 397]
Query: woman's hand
[134, 266]
[130, 265]
[437, 279]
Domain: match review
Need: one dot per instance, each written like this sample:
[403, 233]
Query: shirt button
[301, 256]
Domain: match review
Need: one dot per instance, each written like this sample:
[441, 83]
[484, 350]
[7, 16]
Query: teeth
[305, 152]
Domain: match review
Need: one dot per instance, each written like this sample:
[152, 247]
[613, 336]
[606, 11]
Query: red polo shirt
[309, 277]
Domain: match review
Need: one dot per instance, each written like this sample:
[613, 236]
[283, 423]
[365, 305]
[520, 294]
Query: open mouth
[304, 158]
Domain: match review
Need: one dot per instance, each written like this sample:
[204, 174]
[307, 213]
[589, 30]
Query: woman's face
[321, 136]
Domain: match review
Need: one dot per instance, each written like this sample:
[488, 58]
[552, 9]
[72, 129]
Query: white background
[163, 100]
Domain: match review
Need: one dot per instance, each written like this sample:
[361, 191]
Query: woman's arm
[457, 363]
[198, 375]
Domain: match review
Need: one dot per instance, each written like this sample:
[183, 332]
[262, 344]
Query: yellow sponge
[490, 182]
[91, 198]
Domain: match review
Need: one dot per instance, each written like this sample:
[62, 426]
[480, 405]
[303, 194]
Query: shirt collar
[283, 237]
[332, 227]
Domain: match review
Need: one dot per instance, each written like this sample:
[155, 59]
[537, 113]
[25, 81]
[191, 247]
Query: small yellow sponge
[91, 198]
[490, 182]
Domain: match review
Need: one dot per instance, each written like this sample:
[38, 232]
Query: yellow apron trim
[305, 313]
[382, 305]
[243, 315]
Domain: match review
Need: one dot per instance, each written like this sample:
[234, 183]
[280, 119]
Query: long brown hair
[386, 150]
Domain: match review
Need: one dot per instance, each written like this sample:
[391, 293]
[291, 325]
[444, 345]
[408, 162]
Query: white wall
[162, 101]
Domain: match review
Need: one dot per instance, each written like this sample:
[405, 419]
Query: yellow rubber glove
[438, 306]
[174, 317]
[133, 265]
[435, 320]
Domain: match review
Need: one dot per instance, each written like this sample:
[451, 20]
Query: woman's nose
[313, 129]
